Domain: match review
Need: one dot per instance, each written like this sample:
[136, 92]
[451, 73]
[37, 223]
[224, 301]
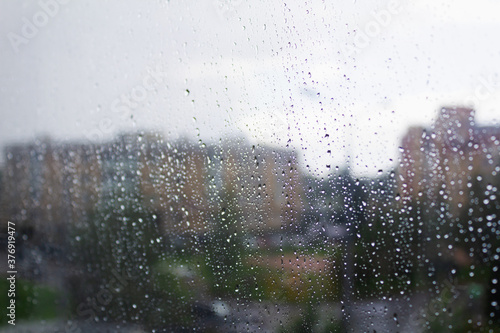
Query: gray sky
[322, 75]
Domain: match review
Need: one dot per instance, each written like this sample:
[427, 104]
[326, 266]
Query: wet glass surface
[232, 166]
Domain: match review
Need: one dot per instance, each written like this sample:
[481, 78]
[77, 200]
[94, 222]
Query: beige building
[48, 186]
[266, 183]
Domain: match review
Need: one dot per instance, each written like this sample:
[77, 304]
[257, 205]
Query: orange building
[439, 163]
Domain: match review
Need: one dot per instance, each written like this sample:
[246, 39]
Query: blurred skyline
[275, 73]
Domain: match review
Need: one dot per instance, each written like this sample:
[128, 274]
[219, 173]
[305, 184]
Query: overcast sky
[321, 76]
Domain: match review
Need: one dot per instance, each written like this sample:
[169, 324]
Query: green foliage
[308, 321]
[33, 301]
[119, 251]
[305, 323]
[225, 251]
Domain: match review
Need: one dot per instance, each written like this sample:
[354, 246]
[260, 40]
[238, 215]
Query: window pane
[232, 166]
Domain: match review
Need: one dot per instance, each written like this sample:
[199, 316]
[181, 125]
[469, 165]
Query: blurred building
[440, 163]
[265, 182]
[172, 183]
[49, 186]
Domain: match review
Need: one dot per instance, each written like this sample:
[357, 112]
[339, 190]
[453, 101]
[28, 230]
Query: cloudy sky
[330, 79]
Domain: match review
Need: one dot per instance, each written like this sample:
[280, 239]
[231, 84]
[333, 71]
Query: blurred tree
[478, 232]
[225, 250]
[118, 252]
